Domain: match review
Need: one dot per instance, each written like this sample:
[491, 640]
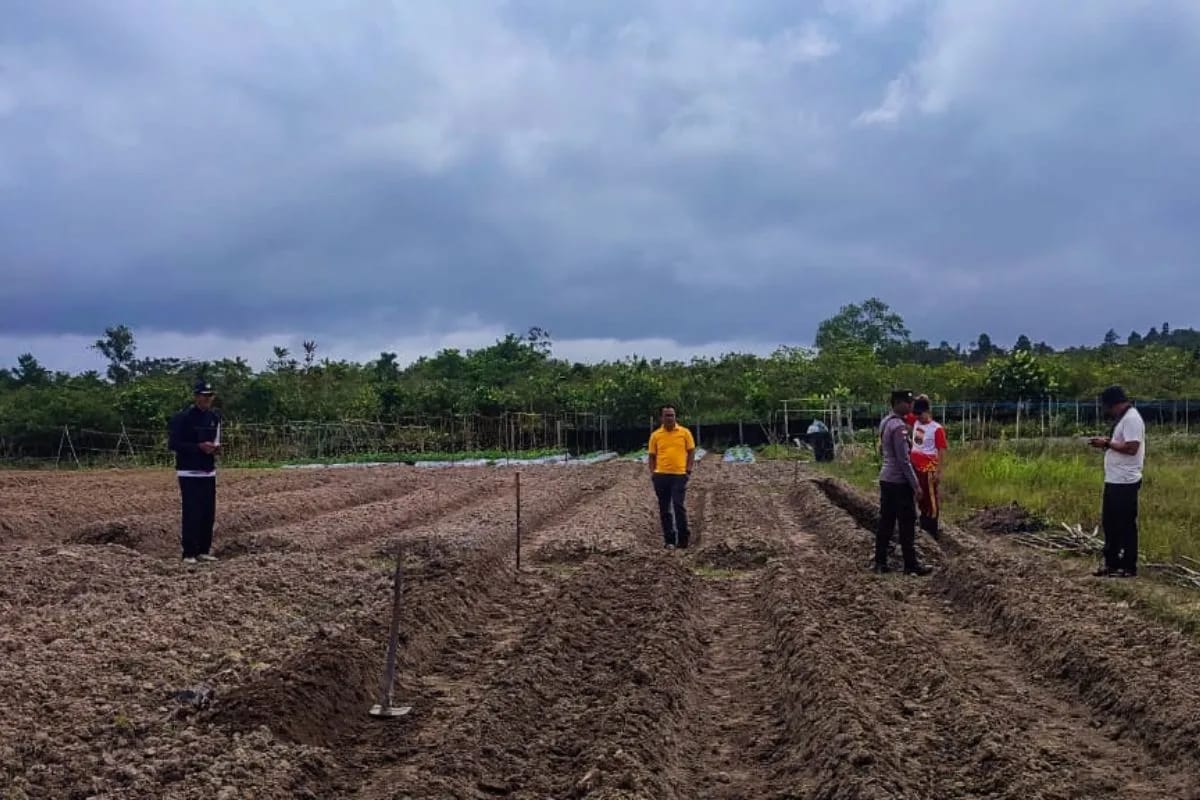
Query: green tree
[1020, 376]
[870, 324]
[120, 349]
[29, 372]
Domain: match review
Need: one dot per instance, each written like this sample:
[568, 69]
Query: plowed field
[763, 662]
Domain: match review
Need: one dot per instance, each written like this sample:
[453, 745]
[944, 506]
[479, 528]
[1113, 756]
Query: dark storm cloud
[692, 171]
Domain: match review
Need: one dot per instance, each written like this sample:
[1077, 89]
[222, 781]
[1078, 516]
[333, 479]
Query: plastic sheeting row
[739, 455]
[557, 460]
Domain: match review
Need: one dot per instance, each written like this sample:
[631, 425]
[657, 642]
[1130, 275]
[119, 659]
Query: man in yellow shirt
[672, 454]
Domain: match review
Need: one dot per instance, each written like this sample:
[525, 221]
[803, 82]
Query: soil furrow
[269, 605]
[158, 534]
[998, 726]
[583, 701]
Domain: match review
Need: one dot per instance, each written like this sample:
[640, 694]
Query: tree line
[859, 353]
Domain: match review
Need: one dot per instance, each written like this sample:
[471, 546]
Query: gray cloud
[691, 172]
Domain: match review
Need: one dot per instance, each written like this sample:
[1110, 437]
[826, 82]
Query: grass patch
[1171, 605]
[1065, 484]
[782, 452]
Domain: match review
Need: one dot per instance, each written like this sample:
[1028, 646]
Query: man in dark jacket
[195, 438]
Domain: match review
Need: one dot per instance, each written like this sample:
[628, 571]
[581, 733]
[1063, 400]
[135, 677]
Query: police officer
[899, 489]
[195, 438]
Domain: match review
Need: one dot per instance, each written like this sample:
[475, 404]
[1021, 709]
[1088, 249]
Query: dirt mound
[112, 532]
[314, 698]
[425, 555]
[249, 544]
[587, 698]
[847, 498]
[572, 552]
[1011, 518]
[738, 555]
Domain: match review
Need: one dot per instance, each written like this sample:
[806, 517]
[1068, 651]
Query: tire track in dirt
[953, 712]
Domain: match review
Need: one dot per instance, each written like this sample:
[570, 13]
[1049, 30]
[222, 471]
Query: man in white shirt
[1124, 457]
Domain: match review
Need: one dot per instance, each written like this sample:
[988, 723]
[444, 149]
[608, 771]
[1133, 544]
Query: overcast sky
[665, 177]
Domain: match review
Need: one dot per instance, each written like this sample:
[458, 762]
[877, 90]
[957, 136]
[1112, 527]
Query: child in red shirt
[929, 446]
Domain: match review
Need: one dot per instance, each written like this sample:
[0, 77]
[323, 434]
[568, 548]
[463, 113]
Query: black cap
[1112, 396]
[202, 387]
[901, 396]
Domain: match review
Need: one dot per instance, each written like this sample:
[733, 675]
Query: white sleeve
[1133, 429]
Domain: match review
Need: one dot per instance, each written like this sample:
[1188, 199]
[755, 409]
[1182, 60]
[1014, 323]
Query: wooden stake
[518, 522]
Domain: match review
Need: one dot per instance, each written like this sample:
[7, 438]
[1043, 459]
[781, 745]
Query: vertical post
[518, 522]
[1018, 420]
[786, 433]
[389, 668]
[62, 441]
[741, 439]
[1187, 417]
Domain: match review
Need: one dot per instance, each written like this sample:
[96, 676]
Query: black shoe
[1125, 573]
[1104, 572]
[920, 570]
[881, 569]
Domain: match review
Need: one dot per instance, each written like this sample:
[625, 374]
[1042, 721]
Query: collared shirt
[893, 442]
[670, 449]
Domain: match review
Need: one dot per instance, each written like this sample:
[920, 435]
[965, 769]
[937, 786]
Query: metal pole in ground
[384, 708]
[518, 523]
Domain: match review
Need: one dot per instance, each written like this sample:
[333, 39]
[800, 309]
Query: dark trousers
[1119, 517]
[896, 505]
[671, 491]
[199, 512]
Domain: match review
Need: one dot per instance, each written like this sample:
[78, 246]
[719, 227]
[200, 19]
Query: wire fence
[975, 421]
[255, 444]
[252, 444]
